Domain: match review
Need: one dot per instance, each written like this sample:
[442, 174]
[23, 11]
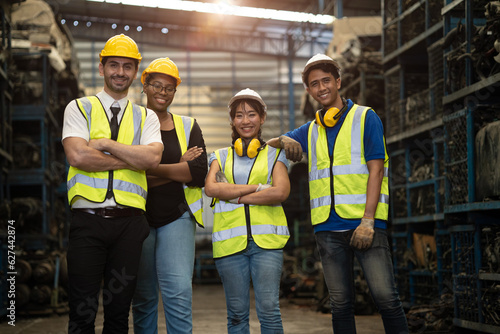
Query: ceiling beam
[255, 43]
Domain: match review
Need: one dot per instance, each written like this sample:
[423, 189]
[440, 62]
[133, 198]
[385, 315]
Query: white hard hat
[247, 93]
[319, 59]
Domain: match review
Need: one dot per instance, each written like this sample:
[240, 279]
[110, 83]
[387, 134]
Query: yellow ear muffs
[329, 119]
[253, 148]
[250, 151]
[331, 116]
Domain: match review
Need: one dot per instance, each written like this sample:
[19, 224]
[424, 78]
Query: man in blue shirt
[349, 195]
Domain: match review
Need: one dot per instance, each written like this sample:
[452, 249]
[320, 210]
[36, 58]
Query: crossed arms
[90, 156]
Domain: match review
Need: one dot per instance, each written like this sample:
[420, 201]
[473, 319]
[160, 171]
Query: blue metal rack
[6, 160]
[6, 88]
[469, 216]
[37, 181]
[413, 71]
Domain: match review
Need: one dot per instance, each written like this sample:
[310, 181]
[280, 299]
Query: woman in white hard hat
[173, 208]
[248, 182]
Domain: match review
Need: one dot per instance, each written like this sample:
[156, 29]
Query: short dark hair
[325, 67]
[105, 59]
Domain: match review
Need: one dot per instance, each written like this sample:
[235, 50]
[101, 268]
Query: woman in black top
[173, 208]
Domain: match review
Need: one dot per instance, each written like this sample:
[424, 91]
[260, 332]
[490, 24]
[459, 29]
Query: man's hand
[191, 154]
[292, 148]
[362, 237]
[99, 144]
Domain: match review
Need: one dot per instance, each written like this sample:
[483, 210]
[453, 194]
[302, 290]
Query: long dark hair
[255, 106]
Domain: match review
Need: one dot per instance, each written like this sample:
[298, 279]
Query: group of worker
[135, 190]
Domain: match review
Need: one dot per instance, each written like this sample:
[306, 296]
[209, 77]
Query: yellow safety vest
[234, 222]
[193, 195]
[347, 174]
[129, 186]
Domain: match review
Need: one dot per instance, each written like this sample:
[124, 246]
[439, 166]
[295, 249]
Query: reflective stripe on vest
[129, 187]
[193, 195]
[319, 175]
[269, 230]
[349, 170]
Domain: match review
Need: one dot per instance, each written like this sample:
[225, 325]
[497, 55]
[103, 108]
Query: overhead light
[227, 9]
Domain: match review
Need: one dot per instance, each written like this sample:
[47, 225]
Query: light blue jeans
[167, 262]
[337, 257]
[263, 268]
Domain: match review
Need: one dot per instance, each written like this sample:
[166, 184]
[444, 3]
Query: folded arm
[222, 190]
[275, 194]
[179, 172]
[141, 157]
[80, 155]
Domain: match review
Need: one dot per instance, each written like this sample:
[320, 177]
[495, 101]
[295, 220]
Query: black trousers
[103, 250]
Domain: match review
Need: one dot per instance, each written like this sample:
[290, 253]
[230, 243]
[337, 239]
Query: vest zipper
[247, 219]
[330, 171]
[109, 194]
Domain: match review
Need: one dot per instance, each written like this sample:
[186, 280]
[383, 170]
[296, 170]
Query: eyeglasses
[159, 88]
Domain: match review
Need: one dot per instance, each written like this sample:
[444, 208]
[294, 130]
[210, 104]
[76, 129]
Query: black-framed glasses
[159, 88]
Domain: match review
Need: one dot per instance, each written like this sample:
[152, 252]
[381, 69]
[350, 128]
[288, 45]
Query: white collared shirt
[75, 125]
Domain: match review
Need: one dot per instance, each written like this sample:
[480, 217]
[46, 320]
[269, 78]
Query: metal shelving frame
[6, 89]
[40, 178]
[467, 213]
[405, 138]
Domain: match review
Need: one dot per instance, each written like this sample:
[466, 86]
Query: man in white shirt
[109, 144]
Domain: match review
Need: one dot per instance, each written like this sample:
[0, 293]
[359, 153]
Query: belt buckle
[105, 212]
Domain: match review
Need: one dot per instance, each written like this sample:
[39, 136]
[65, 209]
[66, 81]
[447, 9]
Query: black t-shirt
[166, 203]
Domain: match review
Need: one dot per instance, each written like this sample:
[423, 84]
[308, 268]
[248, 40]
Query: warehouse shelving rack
[38, 121]
[413, 67]
[365, 87]
[469, 106]
[6, 88]
[6, 160]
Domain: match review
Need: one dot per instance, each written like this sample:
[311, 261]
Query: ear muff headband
[250, 151]
[331, 116]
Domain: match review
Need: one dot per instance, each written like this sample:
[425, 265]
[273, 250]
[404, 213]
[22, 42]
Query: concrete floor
[209, 317]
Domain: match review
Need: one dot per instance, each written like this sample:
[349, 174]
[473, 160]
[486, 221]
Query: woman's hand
[191, 154]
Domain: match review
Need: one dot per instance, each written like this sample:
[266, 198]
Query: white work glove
[292, 148]
[362, 237]
[220, 177]
[263, 186]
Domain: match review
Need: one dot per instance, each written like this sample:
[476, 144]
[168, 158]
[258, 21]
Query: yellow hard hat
[120, 46]
[164, 66]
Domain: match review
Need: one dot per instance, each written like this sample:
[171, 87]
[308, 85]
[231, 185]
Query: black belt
[113, 212]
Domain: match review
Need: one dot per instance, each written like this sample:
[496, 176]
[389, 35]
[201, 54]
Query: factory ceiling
[209, 32]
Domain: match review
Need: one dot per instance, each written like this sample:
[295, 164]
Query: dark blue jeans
[337, 257]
